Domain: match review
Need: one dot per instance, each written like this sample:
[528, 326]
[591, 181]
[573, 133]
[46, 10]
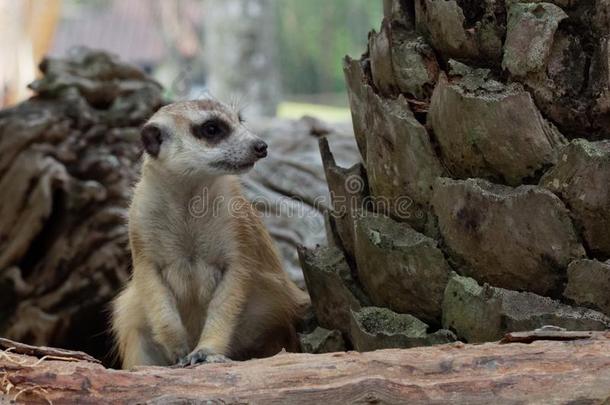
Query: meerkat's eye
[213, 130]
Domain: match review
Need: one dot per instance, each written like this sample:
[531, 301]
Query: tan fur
[210, 282]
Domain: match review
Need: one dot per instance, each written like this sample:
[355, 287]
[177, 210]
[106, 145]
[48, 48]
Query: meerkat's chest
[191, 251]
[176, 234]
[195, 261]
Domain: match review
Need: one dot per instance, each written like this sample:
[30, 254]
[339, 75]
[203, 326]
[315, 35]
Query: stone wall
[482, 204]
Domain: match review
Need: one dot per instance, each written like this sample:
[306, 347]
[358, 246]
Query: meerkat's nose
[260, 149]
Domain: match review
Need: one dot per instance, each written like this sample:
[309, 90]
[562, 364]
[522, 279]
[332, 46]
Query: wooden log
[540, 372]
[42, 351]
[546, 333]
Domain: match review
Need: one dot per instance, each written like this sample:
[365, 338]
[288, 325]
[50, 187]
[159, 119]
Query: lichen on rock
[376, 328]
[400, 268]
[484, 313]
[322, 341]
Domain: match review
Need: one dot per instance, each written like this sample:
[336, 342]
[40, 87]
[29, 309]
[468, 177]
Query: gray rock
[331, 287]
[482, 314]
[400, 268]
[581, 179]
[530, 33]
[401, 163]
[589, 284]
[379, 328]
[485, 129]
[348, 190]
[516, 238]
[322, 341]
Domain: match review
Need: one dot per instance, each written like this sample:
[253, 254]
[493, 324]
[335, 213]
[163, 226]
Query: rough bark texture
[550, 372]
[468, 117]
[68, 160]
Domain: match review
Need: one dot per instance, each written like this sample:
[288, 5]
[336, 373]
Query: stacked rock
[482, 203]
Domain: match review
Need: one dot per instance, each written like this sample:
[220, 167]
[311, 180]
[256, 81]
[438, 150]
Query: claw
[217, 358]
[202, 356]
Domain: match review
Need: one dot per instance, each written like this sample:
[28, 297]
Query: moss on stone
[381, 320]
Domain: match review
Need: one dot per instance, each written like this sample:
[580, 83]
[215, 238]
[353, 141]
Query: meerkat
[207, 282]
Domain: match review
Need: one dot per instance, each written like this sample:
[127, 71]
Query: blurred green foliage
[314, 35]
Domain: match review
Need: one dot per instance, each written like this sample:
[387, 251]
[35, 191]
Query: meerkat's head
[201, 137]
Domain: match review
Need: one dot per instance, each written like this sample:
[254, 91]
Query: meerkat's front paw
[175, 352]
[202, 356]
[179, 354]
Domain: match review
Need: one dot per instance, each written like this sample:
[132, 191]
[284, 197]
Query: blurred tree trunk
[240, 53]
[26, 29]
[184, 68]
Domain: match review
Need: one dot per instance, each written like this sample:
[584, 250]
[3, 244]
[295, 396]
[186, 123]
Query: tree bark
[541, 372]
[68, 160]
[483, 126]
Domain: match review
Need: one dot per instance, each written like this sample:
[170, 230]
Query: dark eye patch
[213, 130]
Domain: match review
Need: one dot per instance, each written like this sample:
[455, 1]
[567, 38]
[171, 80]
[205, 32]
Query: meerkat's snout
[260, 149]
[239, 153]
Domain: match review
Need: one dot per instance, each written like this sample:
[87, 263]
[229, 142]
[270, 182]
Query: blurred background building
[267, 56]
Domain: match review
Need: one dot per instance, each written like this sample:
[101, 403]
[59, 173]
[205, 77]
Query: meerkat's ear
[152, 137]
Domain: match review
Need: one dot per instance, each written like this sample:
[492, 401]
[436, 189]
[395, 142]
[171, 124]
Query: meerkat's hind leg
[141, 351]
[134, 344]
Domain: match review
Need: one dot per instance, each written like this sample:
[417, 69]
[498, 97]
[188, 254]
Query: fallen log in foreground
[556, 371]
